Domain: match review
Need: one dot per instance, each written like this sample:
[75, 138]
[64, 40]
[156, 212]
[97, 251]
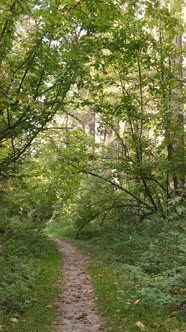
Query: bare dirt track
[77, 312]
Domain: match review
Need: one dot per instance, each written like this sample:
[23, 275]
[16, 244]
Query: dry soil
[76, 309]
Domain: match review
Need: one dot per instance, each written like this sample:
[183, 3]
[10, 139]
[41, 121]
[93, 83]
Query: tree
[39, 62]
[118, 72]
[132, 85]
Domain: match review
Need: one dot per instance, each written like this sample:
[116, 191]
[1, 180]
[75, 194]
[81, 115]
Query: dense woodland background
[92, 97]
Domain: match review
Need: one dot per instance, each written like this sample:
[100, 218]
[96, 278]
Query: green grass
[44, 289]
[138, 276]
[118, 303]
[39, 316]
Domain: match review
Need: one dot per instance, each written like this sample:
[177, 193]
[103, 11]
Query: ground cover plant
[30, 265]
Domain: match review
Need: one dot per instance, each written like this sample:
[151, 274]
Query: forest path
[77, 312]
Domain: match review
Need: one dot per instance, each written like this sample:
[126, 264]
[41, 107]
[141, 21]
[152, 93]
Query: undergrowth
[29, 272]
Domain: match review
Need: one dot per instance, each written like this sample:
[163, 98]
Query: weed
[29, 272]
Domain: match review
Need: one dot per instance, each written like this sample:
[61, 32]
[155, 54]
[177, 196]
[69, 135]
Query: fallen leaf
[14, 320]
[137, 301]
[90, 291]
[141, 326]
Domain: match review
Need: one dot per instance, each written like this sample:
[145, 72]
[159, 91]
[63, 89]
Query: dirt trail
[77, 312]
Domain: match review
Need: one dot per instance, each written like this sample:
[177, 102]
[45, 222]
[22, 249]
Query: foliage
[110, 89]
[25, 254]
[38, 64]
[42, 312]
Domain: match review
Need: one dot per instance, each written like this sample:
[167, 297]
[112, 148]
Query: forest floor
[76, 309]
